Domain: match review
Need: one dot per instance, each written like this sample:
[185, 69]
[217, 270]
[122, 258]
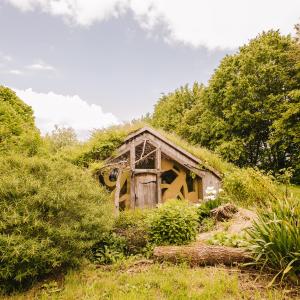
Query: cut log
[201, 255]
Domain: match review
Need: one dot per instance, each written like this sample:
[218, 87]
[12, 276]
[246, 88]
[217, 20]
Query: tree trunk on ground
[200, 254]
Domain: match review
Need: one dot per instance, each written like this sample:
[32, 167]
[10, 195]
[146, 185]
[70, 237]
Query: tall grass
[275, 239]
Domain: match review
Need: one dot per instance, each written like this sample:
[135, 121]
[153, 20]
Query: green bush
[50, 214]
[132, 226]
[204, 208]
[109, 250]
[17, 129]
[174, 222]
[207, 224]
[275, 238]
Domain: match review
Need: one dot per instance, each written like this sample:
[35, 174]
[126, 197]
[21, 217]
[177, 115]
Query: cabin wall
[211, 185]
[177, 177]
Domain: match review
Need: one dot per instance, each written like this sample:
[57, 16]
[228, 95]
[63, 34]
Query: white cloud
[52, 109]
[15, 72]
[5, 58]
[41, 66]
[213, 23]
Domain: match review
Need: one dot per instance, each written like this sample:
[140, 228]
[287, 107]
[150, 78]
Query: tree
[170, 109]
[62, 137]
[17, 129]
[246, 95]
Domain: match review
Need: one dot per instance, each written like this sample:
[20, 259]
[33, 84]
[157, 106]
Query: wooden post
[117, 192]
[158, 178]
[132, 180]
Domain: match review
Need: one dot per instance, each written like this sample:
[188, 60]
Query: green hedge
[174, 222]
[50, 214]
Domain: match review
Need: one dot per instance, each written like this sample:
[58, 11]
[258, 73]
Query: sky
[90, 64]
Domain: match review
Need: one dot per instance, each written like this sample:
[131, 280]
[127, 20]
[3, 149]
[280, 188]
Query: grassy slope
[294, 190]
[154, 282]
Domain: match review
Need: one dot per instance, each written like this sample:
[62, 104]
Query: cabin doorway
[145, 190]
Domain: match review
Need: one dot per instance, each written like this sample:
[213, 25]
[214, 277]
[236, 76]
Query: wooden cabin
[148, 169]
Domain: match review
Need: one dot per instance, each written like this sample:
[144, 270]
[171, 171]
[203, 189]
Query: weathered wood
[152, 171]
[145, 185]
[201, 254]
[132, 181]
[117, 192]
[144, 157]
[144, 147]
[153, 133]
[158, 167]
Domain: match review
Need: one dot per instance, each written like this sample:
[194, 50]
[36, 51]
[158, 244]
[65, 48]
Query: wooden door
[145, 190]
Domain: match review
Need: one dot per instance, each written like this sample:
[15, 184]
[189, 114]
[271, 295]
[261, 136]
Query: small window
[182, 191]
[190, 182]
[163, 190]
[168, 176]
[113, 175]
[145, 156]
[123, 190]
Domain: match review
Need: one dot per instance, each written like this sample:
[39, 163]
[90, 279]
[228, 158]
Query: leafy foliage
[174, 222]
[129, 236]
[61, 138]
[50, 214]
[248, 113]
[275, 238]
[204, 208]
[175, 105]
[133, 227]
[250, 187]
[109, 250]
[230, 240]
[17, 129]
[99, 147]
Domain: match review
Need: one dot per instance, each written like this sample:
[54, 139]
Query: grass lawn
[294, 190]
[132, 280]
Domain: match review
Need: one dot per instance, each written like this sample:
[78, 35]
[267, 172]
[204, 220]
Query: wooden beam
[132, 180]
[142, 158]
[144, 147]
[152, 171]
[117, 192]
[158, 178]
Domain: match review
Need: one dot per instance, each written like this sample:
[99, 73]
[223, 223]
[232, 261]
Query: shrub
[207, 224]
[275, 238]
[109, 250]
[50, 214]
[204, 208]
[129, 236]
[17, 129]
[132, 226]
[174, 222]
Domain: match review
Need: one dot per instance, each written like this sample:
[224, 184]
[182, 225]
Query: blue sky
[92, 63]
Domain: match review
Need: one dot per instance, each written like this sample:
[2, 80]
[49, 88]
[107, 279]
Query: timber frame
[148, 169]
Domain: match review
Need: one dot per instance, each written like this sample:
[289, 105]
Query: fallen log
[201, 255]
